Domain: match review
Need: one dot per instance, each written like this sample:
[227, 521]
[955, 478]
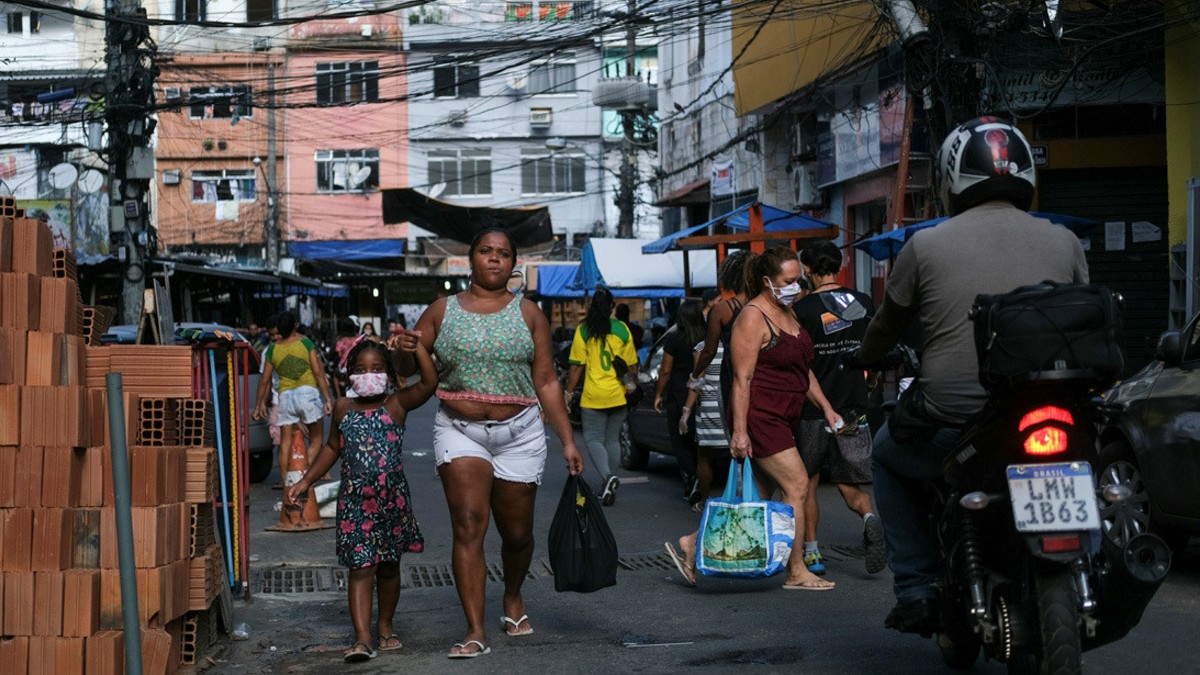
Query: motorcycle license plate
[1053, 497]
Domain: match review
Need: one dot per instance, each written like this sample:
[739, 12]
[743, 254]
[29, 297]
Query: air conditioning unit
[803, 147]
[457, 118]
[920, 174]
[805, 193]
[262, 44]
[173, 94]
[172, 177]
[541, 117]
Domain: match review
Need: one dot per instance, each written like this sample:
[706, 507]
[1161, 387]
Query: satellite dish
[90, 181]
[63, 175]
[359, 177]
[435, 190]
[518, 81]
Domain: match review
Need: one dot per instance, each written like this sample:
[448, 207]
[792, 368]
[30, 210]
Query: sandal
[505, 622]
[483, 649]
[359, 653]
[687, 571]
[383, 639]
[811, 585]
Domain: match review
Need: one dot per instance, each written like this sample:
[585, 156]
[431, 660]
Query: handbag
[744, 536]
[582, 549]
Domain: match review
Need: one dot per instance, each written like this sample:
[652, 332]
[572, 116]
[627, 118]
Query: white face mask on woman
[786, 295]
[369, 384]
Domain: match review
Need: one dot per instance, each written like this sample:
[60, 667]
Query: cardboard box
[18, 603]
[62, 475]
[52, 531]
[10, 414]
[22, 303]
[17, 547]
[14, 654]
[81, 588]
[14, 348]
[105, 653]
[48, 603]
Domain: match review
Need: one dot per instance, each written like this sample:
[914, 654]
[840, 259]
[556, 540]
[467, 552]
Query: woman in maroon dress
[772, 379]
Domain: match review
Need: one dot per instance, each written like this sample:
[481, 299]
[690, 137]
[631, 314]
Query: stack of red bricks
[60, 600]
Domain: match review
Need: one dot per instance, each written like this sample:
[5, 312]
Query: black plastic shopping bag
[583, 551]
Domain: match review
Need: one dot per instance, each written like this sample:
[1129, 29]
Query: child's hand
[405, 341]
[295, 492]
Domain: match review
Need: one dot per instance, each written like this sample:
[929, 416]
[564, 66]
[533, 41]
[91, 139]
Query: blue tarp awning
[556, 281]
[362, 249]
[887, 245]
[774, 220]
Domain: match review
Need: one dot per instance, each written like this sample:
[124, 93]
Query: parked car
[262, 454]
[1150, 442]
[645, 429]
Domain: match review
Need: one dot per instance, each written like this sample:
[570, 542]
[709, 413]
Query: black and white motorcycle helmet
[984, 159]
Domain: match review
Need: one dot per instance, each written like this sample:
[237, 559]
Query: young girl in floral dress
[376, 524]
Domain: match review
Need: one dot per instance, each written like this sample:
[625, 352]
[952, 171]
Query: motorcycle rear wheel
[1055, 647]
[959, 647]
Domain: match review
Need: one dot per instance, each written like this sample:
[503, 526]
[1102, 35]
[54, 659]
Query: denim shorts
[515, 447]
[302, 404]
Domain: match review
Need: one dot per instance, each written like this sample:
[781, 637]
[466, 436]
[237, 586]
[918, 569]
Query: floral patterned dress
[375, 518]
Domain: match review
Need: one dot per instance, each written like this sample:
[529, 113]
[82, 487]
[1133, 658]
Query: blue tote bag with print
[744, 536]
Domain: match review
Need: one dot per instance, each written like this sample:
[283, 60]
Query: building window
[347, 170]
[191, 10]
[546, 173]
[35, 22]
[260, 10]
[549, 11]
[348, 82]
[224, 102]
[465, 172]
[553, 77]
[16, 23]
[221, 186]
[455, 81]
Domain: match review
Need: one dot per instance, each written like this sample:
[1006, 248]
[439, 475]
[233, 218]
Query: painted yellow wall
[797, 44]
[1183, 121]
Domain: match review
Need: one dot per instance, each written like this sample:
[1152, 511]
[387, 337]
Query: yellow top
[601, 386]
[291, 361]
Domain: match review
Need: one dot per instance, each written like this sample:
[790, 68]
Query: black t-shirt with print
[837, 321]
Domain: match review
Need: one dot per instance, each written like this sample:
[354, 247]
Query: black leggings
[684, 446]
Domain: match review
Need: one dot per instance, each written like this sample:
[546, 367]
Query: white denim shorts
[302, 404]
[516, 447]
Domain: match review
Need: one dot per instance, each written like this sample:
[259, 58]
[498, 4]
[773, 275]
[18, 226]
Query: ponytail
[762, 265]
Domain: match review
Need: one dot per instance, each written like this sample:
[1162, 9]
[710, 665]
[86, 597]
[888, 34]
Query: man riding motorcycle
[990, 245]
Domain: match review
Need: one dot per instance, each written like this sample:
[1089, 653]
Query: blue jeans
[901, 474]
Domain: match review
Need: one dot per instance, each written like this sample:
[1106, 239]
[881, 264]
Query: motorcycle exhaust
[1128, 585]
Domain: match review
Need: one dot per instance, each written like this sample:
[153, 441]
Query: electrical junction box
[140, 165]
[116, 218]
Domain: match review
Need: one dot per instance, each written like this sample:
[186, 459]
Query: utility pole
[272, 195]
[129, 96]
[625, 199]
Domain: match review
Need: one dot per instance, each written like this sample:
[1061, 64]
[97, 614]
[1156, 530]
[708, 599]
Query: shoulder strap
[770, 325]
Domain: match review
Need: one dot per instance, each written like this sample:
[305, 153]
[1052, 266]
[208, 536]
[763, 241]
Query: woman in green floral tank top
[496, 368]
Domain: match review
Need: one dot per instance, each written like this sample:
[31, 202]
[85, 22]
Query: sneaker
[876, 553]
[609, 496]
[815, 563]
[914, 616]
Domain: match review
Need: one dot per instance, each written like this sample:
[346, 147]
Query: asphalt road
[648, 623]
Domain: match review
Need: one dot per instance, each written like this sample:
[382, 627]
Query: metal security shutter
[1140, 272]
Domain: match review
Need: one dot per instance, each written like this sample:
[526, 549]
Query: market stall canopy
[555, 281]
[621, 264]
[887, 245]
[528, 225]
[738, 220]
[363, 249]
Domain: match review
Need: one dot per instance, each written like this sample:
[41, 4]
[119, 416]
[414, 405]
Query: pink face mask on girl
[369, 384]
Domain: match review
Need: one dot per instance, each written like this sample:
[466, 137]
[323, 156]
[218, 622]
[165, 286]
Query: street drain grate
[294, 580]
[430, 576]
[640, 562]
[495, 572]
[341, 579]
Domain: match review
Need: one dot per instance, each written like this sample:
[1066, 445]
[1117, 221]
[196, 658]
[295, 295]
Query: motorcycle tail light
[1046, 441]
[1063, 544]
[1045, 414]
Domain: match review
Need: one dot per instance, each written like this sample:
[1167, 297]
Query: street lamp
[272, 222]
